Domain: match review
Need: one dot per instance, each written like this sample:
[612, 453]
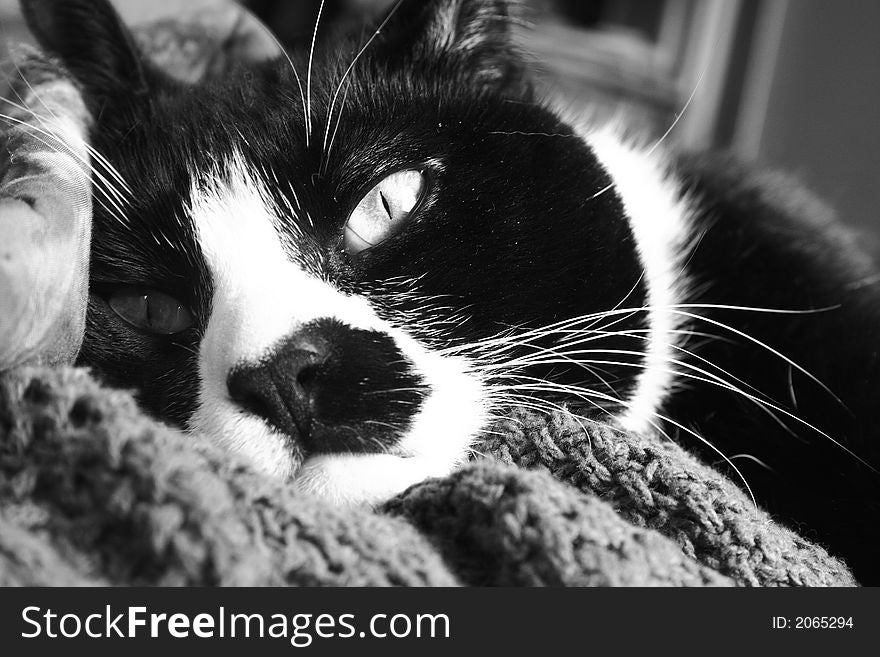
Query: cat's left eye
[150, 310]
[383, 210]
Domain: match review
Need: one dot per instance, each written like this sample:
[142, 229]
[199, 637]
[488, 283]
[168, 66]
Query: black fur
[480, 211]
[769, 244]
[327, 383]
[94, 44]
[511, 236]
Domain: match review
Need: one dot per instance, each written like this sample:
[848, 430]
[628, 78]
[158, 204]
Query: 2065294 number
[822, 622]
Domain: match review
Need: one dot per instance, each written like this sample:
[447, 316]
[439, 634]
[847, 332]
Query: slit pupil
[386, 205]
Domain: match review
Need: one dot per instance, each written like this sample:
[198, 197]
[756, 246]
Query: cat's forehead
[312, 153]
[295, 141]
[272, 113]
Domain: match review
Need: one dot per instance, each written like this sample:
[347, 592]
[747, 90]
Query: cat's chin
[348, 480]
[438, 440]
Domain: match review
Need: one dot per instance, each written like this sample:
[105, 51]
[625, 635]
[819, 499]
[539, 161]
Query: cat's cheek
[348, 480]
[267, 450]
[452, 416]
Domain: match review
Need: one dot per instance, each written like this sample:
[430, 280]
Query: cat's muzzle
[331, 388]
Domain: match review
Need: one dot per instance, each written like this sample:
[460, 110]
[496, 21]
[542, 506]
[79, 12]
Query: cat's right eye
[383, 209]
[150, 310]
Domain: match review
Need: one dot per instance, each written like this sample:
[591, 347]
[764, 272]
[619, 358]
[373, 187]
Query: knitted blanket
[94, 492]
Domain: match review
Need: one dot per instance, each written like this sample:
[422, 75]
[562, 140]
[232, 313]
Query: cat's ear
[90, 39]
[474, 34]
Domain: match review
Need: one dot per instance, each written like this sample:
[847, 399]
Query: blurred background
[792, 83]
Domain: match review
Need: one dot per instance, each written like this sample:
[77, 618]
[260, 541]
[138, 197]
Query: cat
[346, 263]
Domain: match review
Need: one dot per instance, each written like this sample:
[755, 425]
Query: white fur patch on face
[660, 219]
[438, 440]
[260, 297]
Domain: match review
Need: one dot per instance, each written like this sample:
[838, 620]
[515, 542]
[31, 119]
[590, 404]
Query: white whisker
[286, 55]
[116, 211]
[591, 393]
[309, 76]
[354, 61]
[46, 129]
[96, 155]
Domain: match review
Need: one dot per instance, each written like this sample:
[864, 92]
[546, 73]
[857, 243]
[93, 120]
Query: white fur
[261, 296]
[438, 440]
[660, 219]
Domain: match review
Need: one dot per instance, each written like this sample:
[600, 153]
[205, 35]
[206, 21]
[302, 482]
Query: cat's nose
[282, 388]
[332, 388]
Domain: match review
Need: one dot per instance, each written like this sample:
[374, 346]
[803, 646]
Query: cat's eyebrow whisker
[286, 55]
[351, 66]
[325, 156]
[309, 75]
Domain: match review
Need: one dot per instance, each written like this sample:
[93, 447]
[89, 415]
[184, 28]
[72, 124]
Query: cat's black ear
[474, 34]
[90, 39]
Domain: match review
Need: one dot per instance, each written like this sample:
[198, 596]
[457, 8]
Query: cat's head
[344, 270]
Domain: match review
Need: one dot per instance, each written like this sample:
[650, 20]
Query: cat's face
[336, 271]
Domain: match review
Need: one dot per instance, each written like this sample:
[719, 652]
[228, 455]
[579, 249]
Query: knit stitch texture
[94, 492]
